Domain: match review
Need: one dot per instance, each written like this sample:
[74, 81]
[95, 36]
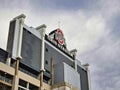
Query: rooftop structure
[34, 60]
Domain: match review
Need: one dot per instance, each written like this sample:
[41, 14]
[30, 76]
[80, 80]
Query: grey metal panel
[33, 31]
[71, 76]
[83, 78]
[65, 73]
[59, 73]
[31, 48]
[56, 55]
[58, 50]
[15, 39]
[11, 37]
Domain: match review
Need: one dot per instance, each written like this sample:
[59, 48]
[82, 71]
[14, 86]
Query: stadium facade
[36, 61]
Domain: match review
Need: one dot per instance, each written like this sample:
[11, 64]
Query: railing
[27, 72]
[3, 78]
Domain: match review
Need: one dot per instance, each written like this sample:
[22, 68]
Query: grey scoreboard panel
[83, 78]
[31, 47]
[11, 37]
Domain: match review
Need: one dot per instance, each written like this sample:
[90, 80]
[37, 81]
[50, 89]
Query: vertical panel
[83, 78]
[31, 48]
[11, 37]
[3, 55]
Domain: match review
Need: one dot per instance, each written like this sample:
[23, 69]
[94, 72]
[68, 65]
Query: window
[23, 85]
[46, 62]
[46, 50]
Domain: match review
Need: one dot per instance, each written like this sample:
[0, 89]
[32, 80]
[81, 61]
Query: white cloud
[110, 7]
[105, 63]
[84, 31]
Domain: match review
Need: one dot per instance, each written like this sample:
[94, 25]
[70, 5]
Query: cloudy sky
[90, 26]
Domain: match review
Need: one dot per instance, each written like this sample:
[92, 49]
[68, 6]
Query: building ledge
[5, 83]
[65, 85]
[7, 69]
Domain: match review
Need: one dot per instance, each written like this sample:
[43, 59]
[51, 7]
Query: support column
[73, 52]
[20, 34]
[16, 78]
[20, 19]
[8, 61]
[41, 80]
[42, 29]
[52, 71]
[88, 76]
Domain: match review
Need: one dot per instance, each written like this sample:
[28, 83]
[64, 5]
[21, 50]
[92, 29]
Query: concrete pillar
[20, 18]
[8, 61]
[52, 71]
[73, 52]
[15, 83]
[88, 75]
[16, 78]
[42, 29]
[19, 42]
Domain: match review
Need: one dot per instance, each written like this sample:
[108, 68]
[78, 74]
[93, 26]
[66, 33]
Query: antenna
[59, 24]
